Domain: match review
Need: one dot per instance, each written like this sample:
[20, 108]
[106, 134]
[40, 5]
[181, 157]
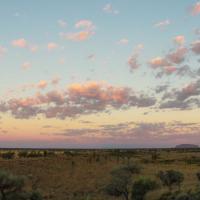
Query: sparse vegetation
[140, 174]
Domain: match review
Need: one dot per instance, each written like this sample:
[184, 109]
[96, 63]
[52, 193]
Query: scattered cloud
[133, 62]
[79, 36]
[62, 23]
[140, 133]
[162, 24]
[55, 80]
[158, 62]
[42, 84]
[85, 24]
[195, 9]
[33, 48]
[91, 57]
[179, 39]
[3, 50]
[26, 65]
[123, 41]
[21, 43]
[177, 56]
[87, 30]
[52, 45]
[24, 44]
[184, 98]
[78, 99]
[108, 8]
[195, 47]
[133, 59]
[185, 70]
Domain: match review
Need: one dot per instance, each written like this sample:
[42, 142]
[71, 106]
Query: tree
[141, 187]
[121, 181]
[155, 155]
[198, 176]
[180, 196]
[12, 188]
[23, 154]
[170, 178]
[8, 155]
[132, 168]
[119, 184]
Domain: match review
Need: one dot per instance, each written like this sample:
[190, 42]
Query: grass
[81, 175]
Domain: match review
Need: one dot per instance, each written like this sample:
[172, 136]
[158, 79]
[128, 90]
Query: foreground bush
[181, 196]
[171, 178]
[121, 182]
[12, 188]
[141, 187]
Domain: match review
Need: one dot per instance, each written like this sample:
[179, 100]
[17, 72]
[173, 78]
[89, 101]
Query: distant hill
[186, 146]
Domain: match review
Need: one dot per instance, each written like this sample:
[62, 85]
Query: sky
[99, 74]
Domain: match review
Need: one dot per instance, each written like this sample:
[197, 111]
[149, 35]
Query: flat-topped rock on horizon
[187, 146]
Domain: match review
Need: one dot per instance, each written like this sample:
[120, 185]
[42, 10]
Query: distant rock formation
[187, 146]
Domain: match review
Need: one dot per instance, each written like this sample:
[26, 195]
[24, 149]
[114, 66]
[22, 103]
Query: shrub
[181, 196]
[170, 178]
[198, 176]
[141, 187]
[119, 184]
[8, 155]
[132, 168]
[12, 188]
[35, 154]
[23, 154]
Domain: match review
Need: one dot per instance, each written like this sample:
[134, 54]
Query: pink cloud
[86, 32]
[3, 50]
[52, 46]
[178, 56]
[158, 62]
[195, 10]
[133, 62]
[33, 48]
[79, 36]
[179, 39]
[190, 89]
[86, 24]
[42, 84]
[55, 80]
[26, 65]
[133, 59]
[196, 47]
[21, 43]
[170, 69]
[77, 99]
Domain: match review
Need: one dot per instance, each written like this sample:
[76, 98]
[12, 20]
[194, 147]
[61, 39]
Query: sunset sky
[90, 74]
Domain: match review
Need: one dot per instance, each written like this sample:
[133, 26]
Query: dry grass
[82, 176]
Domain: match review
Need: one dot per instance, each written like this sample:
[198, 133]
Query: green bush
[120, 183]
[23, 154]
[141, 187]
[12, 188]
[8, 155]
[170, 178]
